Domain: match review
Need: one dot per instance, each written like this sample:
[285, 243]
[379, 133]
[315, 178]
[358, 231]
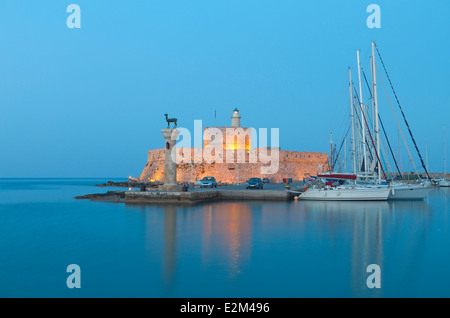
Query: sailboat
[444, 182]
[398, 190]
[367, 181]
[346, 191]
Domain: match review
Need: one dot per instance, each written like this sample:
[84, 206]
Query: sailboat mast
[363, 131]
[373, 99]
[399, 153]
[345, 154]
[375, 102]
[445, 163]
[353, 121]
[331, 151]
[357, 135]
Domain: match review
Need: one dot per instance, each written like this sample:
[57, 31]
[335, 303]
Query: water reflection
[170, 244]
[226, 235]
[221, 249]
[219, 234]
[402, 225]
[220, 238]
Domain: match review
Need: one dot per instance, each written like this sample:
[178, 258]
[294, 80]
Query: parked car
[255, 183]
[208, 182]
[265, 180]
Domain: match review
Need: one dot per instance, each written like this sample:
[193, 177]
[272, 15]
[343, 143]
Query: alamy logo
[227, 145]
[374, 20]
[374, 279]
[74, 279]
[74, 19]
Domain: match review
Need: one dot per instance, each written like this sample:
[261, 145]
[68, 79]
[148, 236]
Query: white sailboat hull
[345, 194]
[408, 192]
[444, 183]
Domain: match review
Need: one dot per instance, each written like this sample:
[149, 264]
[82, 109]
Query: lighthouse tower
[233, 139]
[236, 118]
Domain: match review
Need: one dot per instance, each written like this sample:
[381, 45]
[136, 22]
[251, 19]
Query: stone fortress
[195, 163]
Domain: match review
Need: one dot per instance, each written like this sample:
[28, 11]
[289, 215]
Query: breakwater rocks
[193, 195]
[188, 197]
[205, 196]
[134, 183]
[108, 196]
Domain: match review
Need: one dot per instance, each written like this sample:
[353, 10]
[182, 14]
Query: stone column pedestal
[170, 166]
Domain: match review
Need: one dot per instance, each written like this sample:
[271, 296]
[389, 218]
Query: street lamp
[192, 171]
[238, 174]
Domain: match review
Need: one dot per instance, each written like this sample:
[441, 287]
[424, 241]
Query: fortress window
[295, 155]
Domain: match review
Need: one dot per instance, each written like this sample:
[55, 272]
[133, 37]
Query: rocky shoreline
[108, 196]
[129, 184]
[118, 196]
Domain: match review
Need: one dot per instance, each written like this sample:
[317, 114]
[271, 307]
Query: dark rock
[110, 195]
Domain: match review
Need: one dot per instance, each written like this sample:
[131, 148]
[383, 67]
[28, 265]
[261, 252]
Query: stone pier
[170, 166]
[207, 196]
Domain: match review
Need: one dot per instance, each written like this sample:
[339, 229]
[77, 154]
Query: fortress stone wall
[233, 146]
[292, 164]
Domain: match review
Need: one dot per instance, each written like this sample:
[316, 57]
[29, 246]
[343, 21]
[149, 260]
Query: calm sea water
[227, 249]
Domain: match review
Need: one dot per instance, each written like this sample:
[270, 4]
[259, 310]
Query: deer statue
[171, 120]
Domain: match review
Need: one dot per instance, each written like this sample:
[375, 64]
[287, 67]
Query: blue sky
[89, 102]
